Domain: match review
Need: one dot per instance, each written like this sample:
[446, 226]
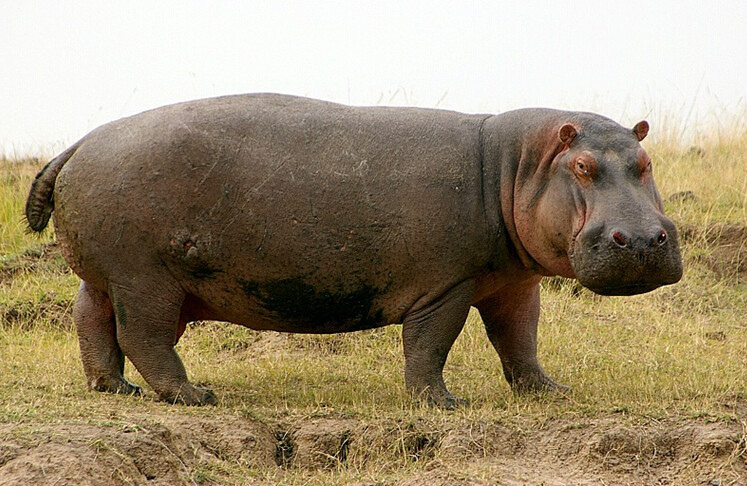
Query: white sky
[69, 66]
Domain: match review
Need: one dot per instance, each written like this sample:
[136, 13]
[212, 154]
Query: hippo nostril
[620, 239]
[661, 238]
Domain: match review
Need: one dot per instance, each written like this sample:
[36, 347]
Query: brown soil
[44, 258]
[173, 451]
[727, 248]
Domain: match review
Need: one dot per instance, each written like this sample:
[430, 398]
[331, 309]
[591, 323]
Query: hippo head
[587, 208]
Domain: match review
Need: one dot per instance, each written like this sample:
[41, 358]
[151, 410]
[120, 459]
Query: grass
[714, 171]
[678, 352]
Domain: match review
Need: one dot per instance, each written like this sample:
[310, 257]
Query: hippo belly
[301, 220]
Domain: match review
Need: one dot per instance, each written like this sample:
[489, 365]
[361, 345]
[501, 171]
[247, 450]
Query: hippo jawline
[632, 286]
[622, 290]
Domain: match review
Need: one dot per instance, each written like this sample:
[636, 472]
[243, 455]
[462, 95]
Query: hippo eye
[584, 168]
[581, 167]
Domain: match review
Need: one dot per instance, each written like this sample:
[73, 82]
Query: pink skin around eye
[644, 162]
[585, 168]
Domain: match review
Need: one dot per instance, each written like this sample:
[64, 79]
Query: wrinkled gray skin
[290, 214]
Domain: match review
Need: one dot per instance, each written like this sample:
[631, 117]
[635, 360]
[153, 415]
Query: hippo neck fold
[517, 147]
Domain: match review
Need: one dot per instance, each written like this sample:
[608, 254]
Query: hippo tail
[40, 202]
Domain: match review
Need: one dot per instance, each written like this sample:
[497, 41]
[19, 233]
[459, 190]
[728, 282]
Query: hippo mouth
[631, 289]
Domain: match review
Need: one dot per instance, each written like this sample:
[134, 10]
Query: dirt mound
[26, 314]
[144, 452]
[726, 245]
[188, 450]
[44, 258]
[52, 309]
[590, 452]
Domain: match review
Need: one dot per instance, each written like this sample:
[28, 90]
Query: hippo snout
[620, 259]
[621, 239]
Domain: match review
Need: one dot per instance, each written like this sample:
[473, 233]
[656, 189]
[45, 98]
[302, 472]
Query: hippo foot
[445, 401]
[538, 384]
[450, 403]
[191, 395]
[111, 384]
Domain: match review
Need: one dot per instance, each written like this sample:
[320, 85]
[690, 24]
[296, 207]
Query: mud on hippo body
[297, 215]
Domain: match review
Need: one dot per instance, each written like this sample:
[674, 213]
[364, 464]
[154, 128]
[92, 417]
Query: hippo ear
[641, 130]
[567, 133]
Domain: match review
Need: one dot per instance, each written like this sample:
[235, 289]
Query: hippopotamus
[297, 215]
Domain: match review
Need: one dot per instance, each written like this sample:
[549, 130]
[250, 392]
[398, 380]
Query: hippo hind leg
[148, 325]
[103, 360]
[427, 336]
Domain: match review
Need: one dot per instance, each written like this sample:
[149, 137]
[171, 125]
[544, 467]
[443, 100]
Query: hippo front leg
[427, 335]
[510, 317]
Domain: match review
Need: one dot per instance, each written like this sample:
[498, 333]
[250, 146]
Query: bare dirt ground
[173, 451]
